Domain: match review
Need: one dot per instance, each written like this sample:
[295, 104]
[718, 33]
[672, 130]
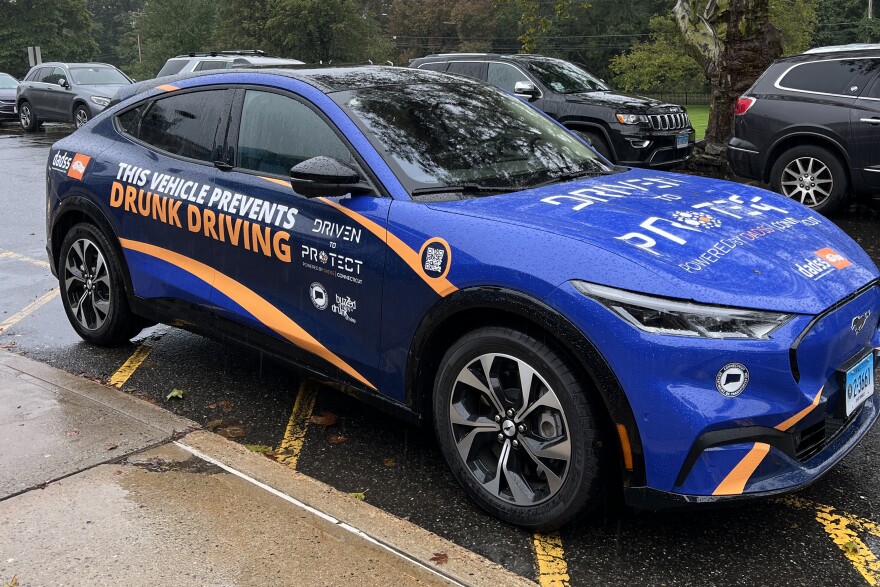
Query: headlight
[632, 119]
[100, 101]
[680, 318]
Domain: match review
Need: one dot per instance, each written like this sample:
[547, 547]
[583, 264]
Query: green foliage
[660, 64]
[845, 21]
[326, 30]
[172, 27]
[62, 28]
[797, 20]
[112, 20]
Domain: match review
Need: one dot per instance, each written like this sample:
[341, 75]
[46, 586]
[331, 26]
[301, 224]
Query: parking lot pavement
[827, 535]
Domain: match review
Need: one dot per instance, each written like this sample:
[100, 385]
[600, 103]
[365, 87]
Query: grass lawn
[699, 119]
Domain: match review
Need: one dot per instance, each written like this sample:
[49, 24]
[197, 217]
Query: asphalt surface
[826, 535]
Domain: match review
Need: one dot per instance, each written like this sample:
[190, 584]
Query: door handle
[874, 120]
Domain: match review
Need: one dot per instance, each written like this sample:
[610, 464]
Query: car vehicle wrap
[365, 283]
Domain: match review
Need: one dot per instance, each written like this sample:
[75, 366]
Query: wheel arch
[466, 310]
[76, 103]
[595, 127]
[804, 138]
[73, 210]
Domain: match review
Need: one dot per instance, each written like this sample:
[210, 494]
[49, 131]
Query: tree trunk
[734, 42]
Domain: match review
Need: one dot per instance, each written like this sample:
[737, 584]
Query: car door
[46, 91]
[159, 182]
[62, 100]
[865, 120]
[313, 267]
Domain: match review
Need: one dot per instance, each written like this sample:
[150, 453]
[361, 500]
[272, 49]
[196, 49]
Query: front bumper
[8, 110]
[798, 477]
[641, 147]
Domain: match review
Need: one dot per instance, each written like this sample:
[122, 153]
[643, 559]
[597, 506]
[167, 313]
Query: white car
[221, 60]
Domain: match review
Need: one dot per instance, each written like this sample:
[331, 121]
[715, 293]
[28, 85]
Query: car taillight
[743, 104]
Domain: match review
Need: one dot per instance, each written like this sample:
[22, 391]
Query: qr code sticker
[434, 260]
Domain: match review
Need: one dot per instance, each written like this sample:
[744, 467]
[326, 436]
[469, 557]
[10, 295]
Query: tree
[326, 30]
[61, 28]
[734, 42]
[842, 22]
[659, 64]
[537, 17]
[113, 19]
[796, 20]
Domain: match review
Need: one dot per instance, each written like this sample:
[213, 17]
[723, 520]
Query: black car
[624, 128]
[66, 92]
[8, 84]
[810, 127]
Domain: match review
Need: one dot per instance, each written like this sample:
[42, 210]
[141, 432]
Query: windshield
[447, 135]
[7, 82]
[565, 77]
[97, 76]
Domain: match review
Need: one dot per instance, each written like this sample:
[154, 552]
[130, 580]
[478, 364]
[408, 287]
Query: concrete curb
[405, 537]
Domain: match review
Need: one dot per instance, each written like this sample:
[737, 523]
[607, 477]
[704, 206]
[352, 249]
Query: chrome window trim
[778, 85]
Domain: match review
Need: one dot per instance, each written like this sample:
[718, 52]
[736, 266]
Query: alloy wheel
[82, 117]
[25, 115]
[510, 429]
[87, 284]
[807, 180]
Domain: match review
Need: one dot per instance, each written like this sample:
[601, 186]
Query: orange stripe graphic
[260, 308]
[167, 88]
[736, 480]
[441, 285]
[280, 182]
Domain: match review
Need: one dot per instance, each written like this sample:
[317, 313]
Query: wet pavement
[827, 535]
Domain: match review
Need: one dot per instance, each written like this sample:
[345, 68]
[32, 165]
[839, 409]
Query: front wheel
[597, 142]
[811, 175]
[81, 115]
[27, 117]
[92, 290]
[518, 429]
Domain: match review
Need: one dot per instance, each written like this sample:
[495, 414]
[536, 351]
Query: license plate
[859, 383]
[681, 141]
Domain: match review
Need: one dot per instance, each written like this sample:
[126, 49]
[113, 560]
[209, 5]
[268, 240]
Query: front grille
[676, 121]
[815, 437]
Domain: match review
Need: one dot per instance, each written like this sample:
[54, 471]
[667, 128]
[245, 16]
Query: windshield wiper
[465, 188]
[573, 175]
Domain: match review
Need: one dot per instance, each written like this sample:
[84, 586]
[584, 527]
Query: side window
[51, 75]
[278, 132]
[129, 121]
[473, 69]
[184, 125]
[437, 66]
[36, 75]
[211, 65]
[172, 66]
[845, 77]
[874, 90]
[505, 76]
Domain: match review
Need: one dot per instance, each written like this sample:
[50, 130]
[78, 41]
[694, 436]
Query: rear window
[212, 65]
[172, 66]
[474, 69]
[437, 66]
[843, 77]
[184, 125]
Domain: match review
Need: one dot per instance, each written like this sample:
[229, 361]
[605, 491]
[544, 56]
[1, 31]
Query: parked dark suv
[625, 129]
[810, 127]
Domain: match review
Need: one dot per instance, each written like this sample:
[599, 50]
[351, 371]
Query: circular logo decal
[732, 379]
[435, 258]
[697, 219]
[319, 296]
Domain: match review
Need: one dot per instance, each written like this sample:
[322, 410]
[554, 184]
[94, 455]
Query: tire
[28, 117]
[536, 498]
[81, 115]
[811, 175]
[597, 142]
[94, 298]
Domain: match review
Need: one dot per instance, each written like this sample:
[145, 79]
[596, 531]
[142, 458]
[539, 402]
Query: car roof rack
[841, 48]
[255, 52]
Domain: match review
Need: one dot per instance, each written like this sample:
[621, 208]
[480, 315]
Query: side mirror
[327, 177]
[526, 89]
[63, 83]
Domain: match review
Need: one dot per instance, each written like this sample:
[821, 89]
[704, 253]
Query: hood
[620, 100]
[104, 90]
[7, 94]
[705, 240]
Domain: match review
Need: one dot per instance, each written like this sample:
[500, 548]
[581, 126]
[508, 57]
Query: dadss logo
[74, 167]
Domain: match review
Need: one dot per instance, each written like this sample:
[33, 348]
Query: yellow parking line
[26, 259]
[291, 445]
[29, 309]
[128, 368]
[552, 568]
[842, 528]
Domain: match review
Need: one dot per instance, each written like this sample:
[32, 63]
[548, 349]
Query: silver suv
[221, 60]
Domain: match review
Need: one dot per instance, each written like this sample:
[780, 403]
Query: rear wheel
[92, 290]
[27, 117]
[811, 175]
[81, 115]
[518, 429]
